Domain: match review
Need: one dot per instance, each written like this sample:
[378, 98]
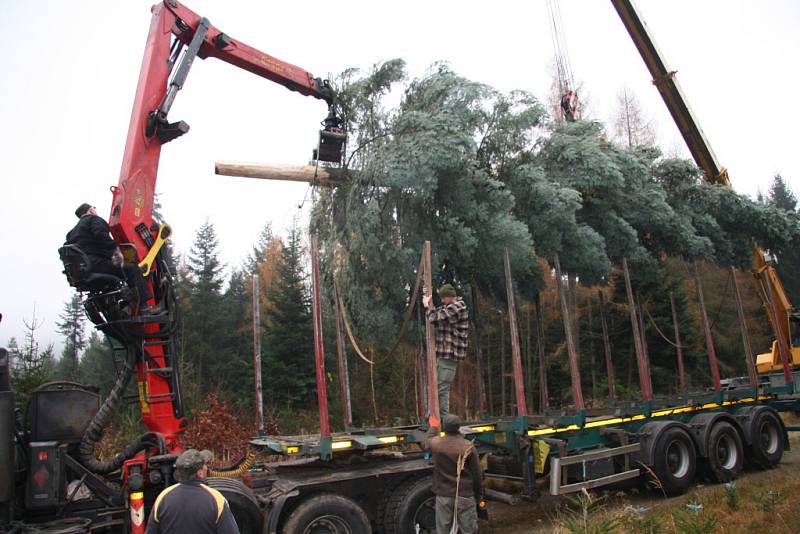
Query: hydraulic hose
[237, 469]
[94, 432]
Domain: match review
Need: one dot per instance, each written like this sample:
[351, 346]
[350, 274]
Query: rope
[406, 320]
[665, 338]
[347, 328]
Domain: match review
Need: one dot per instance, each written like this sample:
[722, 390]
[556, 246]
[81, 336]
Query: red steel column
[430, 341]
[516, 356]
[574, 364]
[712, 353]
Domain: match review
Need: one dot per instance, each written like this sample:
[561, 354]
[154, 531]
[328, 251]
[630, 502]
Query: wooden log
[322, 176]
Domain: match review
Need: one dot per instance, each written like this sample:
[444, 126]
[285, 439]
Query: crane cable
[566, 79]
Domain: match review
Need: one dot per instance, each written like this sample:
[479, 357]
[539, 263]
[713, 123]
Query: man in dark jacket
[457, 479]
[452, 333]
[190, 505]
[93, 237]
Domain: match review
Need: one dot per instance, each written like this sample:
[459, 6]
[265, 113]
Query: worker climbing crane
[569, 102]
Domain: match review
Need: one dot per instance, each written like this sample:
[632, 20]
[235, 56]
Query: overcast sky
[69, 71]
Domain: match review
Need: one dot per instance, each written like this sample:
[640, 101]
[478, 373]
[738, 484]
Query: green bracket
[647, 408]
[325, 448]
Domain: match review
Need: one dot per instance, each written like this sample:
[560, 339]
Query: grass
[758, 502]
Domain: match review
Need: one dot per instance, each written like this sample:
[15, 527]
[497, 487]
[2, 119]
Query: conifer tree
[203, 304]
[289, 348]
[783, 198]
[71, 325]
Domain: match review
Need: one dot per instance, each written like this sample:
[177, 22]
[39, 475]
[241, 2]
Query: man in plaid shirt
[452, 332]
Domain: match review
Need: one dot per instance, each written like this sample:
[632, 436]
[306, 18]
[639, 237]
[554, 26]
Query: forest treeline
[473, 170]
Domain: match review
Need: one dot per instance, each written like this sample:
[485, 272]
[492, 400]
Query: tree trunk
[544, 395]
[712, 353]
[678, 346]
[748, 350]
[612, 388]
[574, 362]
[644, 372]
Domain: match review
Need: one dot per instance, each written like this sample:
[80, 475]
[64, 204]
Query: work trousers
[467, 515]
[446, 373]
[132, 273]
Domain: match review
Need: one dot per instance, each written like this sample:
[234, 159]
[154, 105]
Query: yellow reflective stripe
[218, 498]
[159, 499]
[639, 417]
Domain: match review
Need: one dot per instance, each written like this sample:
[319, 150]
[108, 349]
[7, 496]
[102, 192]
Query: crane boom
[776, 301]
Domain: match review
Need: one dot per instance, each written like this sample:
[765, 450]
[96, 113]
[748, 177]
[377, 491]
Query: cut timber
[322, 176]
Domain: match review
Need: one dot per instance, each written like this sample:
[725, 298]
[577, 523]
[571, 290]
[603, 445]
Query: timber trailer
[361, 480]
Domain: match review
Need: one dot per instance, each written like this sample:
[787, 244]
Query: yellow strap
[159, 499]
[218, 498]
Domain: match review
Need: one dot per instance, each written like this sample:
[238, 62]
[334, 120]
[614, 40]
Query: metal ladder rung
[157, 342]
[159, 370]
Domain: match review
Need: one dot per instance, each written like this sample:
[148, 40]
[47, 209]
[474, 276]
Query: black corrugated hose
[94, 432]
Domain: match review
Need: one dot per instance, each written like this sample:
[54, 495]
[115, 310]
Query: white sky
[69, 71]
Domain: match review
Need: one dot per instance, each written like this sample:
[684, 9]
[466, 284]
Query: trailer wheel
[725, 453]
[766, 450]
[674, 461]
[327, 513]
[242, 502]
[411, 504]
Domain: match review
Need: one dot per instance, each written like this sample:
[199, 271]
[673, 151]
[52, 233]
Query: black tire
[242, 502]
[674, 461]
[725, 453]
[766, 450]
[412, 503]
[327, 513]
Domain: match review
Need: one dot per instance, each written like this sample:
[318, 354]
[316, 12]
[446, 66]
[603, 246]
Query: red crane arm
[133, 197]
[174, 29]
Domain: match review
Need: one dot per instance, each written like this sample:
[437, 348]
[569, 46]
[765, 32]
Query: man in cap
[452, 332]
[457, 479]
[93, 237]
[190, 505]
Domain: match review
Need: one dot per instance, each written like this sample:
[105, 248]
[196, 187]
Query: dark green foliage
[289, 347]
[202, 301]
[97, 366]
[784, 199]
[71, 325]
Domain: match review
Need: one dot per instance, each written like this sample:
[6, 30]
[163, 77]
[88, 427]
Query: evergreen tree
[233, 366]
[782, 197]
[259, 250]
[97, 366]
[202, 307]
[71, 326]
[31, 366]
[289, 348]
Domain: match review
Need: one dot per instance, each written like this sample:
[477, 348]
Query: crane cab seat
[78, 270]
